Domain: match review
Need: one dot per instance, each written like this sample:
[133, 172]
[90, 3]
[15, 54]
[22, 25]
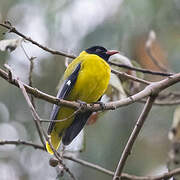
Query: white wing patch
[68, 83]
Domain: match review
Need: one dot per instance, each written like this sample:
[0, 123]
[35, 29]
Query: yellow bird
[85, 79]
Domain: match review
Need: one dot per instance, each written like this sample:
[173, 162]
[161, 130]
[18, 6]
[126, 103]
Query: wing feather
[63, 94]
[77, 125]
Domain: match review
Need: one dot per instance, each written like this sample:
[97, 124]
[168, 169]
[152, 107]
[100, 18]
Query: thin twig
[21, 142]
[155, 61]
[37, 119]
[10, 76]
[31, 67]
[148, 47]
[142, 70]
[39, 94]
[133, 136]
[127, 76]
[35, 115]
[61, 120]
[94, 166]
[27, 98]
[88, 164]
[14, 30]
[165, 99]
[124, 176]
[30, 78]
[163, 102]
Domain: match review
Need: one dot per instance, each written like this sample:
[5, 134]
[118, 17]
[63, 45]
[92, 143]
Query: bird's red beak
[112, 52]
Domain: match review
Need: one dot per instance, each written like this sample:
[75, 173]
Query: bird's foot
[103, 106]
[83, 105]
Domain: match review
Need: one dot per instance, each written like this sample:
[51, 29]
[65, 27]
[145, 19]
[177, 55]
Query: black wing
[77, 125]
[62, 94]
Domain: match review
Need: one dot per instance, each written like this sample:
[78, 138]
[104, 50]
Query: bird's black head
[101, 52]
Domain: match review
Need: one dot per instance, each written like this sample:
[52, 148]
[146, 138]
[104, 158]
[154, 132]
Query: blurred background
[71, 26]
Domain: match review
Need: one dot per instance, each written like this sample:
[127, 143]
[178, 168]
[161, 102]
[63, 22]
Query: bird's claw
[83, 105]
[103, 106]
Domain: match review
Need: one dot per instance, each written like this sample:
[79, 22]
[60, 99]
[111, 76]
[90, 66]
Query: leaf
[10, 44]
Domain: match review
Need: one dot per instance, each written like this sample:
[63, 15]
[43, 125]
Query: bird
[85, 80]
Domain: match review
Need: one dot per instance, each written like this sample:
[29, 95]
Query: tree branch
[94, 166]
[35, 115]
[31, 61]
[21, 142]
[10, 72]
[14, 30]
[154, 87]
[41, 130]
[147, 71]
[133, 136]
[39, 94]
[127, 76]
[157, 102]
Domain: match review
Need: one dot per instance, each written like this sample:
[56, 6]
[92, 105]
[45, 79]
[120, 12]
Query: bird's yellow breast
[92, 81]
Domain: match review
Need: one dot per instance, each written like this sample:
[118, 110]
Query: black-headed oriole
[85, 79]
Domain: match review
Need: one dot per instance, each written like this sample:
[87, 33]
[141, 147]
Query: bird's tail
[55, 140]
